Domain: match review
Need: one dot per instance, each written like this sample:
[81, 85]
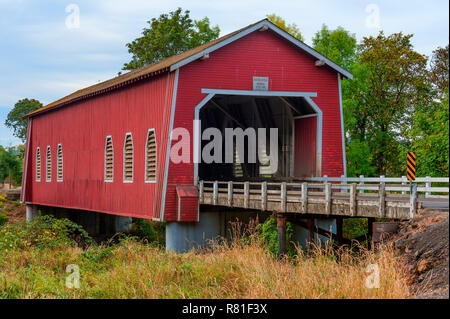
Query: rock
[423, 266]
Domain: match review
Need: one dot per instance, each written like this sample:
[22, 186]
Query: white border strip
[169, 142]
[271, 26]
[344, 158]
[212, 92]
[25, 170]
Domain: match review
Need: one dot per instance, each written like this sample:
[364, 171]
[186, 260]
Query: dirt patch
[424, 243]
[15, 212]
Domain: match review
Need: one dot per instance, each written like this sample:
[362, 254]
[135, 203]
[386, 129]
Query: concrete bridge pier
[31, 212]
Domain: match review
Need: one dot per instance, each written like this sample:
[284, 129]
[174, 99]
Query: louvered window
[150, 156]
[38, 164]
[109, 160]
[59, 163]
[48, 165]
[128, 159]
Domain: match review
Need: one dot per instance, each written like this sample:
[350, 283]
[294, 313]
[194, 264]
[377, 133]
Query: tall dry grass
[134, 270]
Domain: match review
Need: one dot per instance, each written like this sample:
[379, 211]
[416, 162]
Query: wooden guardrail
[353, 200]
[400, 184]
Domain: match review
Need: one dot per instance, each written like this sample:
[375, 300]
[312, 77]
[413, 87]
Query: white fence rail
[424, 184]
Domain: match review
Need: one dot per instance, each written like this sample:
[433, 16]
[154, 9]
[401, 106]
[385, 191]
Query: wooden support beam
[370, 221]
[264, 196]
[310, 227]
[283, 197]
[328, 205]
[230, 193]
[339, 229]
[305, 198]
[353, 203]
[281, 228]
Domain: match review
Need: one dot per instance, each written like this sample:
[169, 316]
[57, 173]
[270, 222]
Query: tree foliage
[439, 70]
[14, 119]
[169, 34]
[337, 45]
[10, 165]
[431, 143]
[390, 84]
[289, 28]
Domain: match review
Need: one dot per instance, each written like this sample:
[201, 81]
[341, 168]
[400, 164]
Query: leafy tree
[439, 69]
[337, 45]
[390, 83]
[14, 119]
[10, 165]
[431, 144]
[281, 23]
[168, 35]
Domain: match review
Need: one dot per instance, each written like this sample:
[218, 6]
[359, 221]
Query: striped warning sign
[411, 166]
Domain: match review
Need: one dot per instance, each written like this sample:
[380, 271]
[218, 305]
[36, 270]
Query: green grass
[34, 257]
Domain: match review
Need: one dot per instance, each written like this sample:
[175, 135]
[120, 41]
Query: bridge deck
[311, 198]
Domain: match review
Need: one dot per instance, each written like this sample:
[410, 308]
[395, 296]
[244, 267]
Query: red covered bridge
[106, 148]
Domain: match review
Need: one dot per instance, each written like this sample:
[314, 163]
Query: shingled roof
[176, 61]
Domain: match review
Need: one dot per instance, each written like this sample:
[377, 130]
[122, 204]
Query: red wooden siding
[305, 145]
[82, 128]
[232, 67]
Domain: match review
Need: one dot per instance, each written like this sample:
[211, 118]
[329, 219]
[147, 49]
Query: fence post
[403, 183]
[215, 192]
[343, 181]
[230, 193]
[412, 201]
[264, 196]
[325, 179]
[361, 182]
[305, 197]
[328, 198]
[382, 200]
[353, 200]
[428, 185]
[283, 196]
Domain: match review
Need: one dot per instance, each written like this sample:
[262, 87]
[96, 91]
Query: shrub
[268, 232]
[42, 232]
[3, 219]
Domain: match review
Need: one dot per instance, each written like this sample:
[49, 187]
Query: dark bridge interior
[235, 111]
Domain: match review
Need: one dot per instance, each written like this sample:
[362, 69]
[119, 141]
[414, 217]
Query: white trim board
[344, 158]
[212, 92]
[263, 25]
[169, 142]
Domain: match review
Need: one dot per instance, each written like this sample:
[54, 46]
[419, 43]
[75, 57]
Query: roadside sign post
[411, 168]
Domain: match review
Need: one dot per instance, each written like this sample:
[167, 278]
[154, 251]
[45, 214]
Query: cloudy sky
[46, 55]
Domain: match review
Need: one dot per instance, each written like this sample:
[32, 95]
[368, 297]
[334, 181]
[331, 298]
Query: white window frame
[38, 151]
[146, 156]
[57, 163]
[132, 158]
[48, 150]
[104, 164]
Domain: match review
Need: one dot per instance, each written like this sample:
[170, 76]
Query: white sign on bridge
[260, 83]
